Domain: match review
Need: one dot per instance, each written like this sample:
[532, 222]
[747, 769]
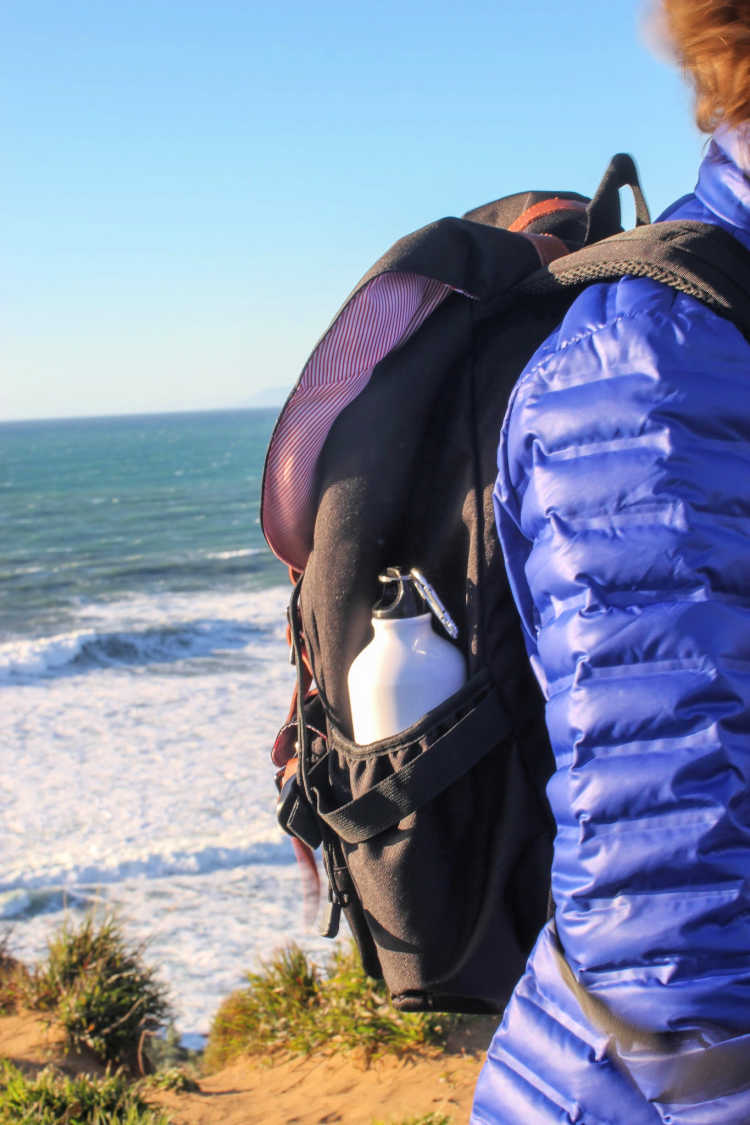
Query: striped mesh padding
[384, 314]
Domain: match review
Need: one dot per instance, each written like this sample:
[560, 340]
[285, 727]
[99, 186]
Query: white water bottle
[407, 669]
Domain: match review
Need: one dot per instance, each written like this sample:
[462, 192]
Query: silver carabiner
[429, 593]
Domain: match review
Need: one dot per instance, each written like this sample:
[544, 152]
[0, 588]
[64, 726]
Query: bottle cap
[409, 594]
[400, 597]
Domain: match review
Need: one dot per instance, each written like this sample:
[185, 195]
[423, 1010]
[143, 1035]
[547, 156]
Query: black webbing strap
[699, 259]
[424, 777]
[663, 1072]
[303, 738]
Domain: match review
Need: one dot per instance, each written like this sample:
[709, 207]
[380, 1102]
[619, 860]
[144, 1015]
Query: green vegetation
[107, 1000]
[52, 1099]
[14, 981]
[173, 1066]
[99, 990]
[172, 1078]
[291, 1006]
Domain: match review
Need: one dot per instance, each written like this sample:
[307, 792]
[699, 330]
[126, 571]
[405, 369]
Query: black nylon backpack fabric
[437, 842]
[406, 478]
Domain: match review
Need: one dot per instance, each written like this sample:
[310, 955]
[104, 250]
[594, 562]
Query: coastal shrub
[14, 980]
[174, 1078]
[100, 990]
[292, 1006]
[53, 1099]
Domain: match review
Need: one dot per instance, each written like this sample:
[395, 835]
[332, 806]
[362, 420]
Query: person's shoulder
[631, 305]
[635, 311]
[609, 324]
[626, 348]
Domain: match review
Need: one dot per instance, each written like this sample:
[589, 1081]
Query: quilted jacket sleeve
[623, 505]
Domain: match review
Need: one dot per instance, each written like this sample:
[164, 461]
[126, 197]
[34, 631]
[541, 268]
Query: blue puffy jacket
[623, 506]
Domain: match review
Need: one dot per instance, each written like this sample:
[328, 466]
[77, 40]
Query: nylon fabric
[392, 301]
[548, 1064]
[623, 508]
[383, 804]
[382, 315]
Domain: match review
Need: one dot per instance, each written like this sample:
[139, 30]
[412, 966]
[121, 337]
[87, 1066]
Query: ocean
[143, 675]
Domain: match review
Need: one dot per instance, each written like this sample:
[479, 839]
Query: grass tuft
[100, 990]
[52, 1099]
[291, 1006]
[15, 980]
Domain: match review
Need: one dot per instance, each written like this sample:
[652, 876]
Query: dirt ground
[321, 1090]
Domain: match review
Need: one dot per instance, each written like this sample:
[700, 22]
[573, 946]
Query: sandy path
[335, 1090]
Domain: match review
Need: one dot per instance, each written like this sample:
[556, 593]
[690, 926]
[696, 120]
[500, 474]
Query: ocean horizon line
[136, 415]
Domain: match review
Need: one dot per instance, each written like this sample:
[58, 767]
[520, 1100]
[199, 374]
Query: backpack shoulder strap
[699, 259]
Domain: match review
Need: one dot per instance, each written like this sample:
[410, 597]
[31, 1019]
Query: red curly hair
[711, 39]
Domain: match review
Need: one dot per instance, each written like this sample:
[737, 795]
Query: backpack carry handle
[604, 214]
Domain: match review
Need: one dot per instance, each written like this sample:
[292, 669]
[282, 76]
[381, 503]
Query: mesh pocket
[447, 851]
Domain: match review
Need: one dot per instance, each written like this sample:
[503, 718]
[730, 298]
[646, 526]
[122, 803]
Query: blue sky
[190, 190]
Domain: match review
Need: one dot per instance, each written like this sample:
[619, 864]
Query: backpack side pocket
[440, 832]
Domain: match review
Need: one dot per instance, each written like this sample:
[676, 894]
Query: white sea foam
[244, 553]
[95, 869]
[203, 933]
[264, 609]
[153, 783]
[23, 658]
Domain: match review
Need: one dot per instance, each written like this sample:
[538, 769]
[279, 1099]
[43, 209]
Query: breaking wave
[69, 653]
[142, 632]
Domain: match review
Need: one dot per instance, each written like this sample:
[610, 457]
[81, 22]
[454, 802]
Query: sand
[280, 1090]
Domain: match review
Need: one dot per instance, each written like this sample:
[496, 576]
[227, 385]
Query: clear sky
[190, 189]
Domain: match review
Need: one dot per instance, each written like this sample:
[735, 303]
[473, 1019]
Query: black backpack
[437, 842]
